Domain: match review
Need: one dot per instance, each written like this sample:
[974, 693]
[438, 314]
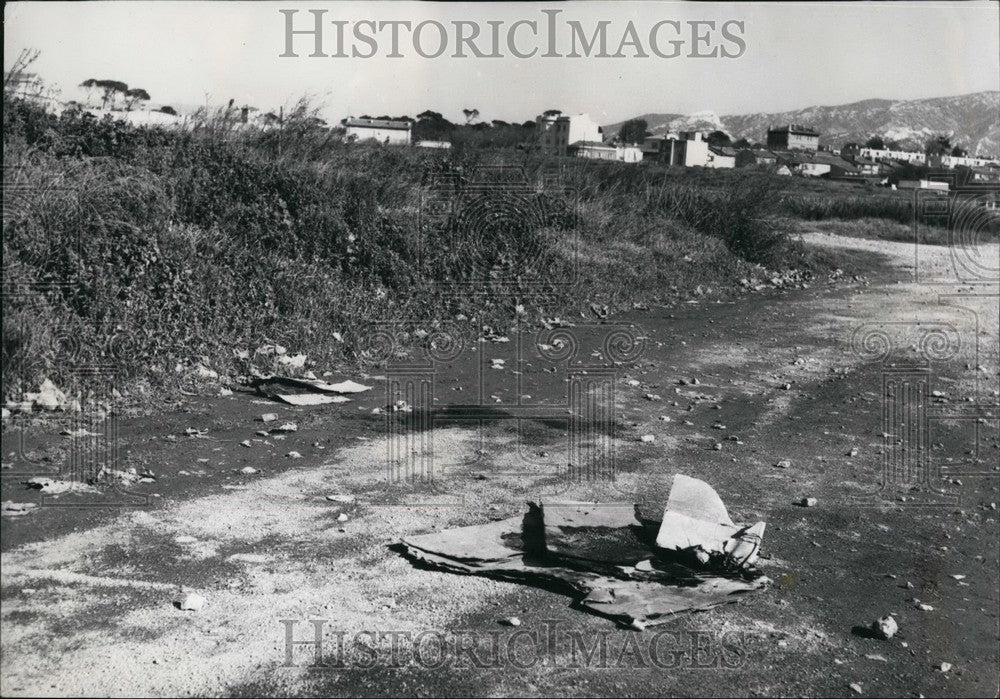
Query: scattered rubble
[48, 398]
[79, 433]
[16, 509]
[50, 486]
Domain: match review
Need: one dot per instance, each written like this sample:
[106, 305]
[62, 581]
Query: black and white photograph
[500, 349]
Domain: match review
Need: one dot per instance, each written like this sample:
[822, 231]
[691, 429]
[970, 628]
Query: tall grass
[821, 207]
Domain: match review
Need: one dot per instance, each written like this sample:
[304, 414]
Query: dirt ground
[88, 592]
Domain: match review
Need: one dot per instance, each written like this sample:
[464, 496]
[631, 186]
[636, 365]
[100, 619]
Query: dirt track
[87, 592]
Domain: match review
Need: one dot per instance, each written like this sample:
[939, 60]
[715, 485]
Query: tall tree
[719, 139]
[134, 96]
[633, 131]
[431, 126]
[110, 90]
[470, 115]
[939, 145]
[90, 84]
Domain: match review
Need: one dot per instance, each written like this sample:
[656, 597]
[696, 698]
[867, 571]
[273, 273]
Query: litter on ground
[306, 392]
[635, 571]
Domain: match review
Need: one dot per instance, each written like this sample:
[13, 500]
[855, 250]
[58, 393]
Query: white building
[924, 184]
[556, 132]
[881, 154]
[721, 158]
[605, 151]
[381, 130]
[953, 161]
[441, 145]
[688, 149]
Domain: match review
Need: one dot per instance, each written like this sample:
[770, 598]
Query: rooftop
[591, 144]
[378, 124]
[796, 129]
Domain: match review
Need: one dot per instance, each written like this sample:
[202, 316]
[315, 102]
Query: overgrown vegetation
[155, 249]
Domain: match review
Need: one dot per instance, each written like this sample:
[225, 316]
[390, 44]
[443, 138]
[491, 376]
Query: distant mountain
[972, 121]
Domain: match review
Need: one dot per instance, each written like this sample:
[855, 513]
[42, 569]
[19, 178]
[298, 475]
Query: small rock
[647, 438]
[808, 502]
[885, 628]
[294, 455]
[248, 470]
[245, 443]
[855, 687]
[191, 602]
[268, 417]
[286, 427]
[342, 517]
[344, 499]
[511, 621]
[945, 667]
[784, 463]
[637, 625]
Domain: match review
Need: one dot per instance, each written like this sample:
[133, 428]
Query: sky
[789, 55]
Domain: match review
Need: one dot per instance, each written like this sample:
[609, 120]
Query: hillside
[972, 121]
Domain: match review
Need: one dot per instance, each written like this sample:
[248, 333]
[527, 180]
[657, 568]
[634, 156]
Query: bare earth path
[87, 593]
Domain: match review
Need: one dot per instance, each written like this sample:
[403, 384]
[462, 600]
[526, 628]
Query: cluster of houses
[792, 149]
